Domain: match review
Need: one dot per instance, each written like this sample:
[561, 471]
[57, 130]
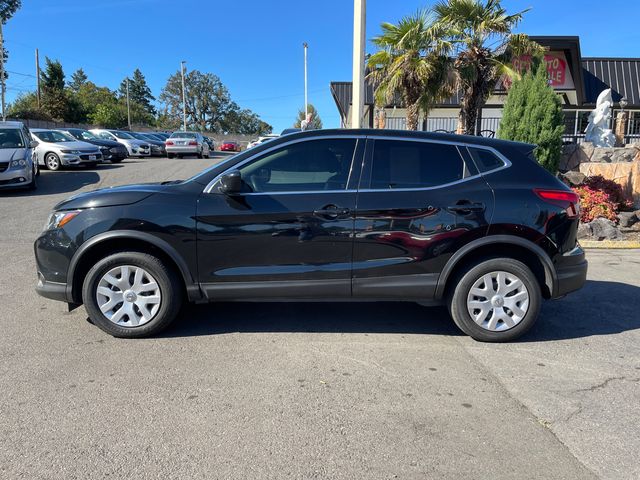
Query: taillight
[168, 142]
[568, 200]
[193, 142]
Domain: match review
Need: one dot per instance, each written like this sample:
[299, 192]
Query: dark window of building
[485, 159]
[300, 167]
[407, 164]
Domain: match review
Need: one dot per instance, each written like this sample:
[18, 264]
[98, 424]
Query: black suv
[372, 215]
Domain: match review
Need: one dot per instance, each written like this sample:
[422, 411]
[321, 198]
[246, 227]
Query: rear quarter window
[485, 160]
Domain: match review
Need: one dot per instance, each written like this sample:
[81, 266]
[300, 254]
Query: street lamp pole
[128, 106]
[306, 90]
[184, 98]
[359, 39]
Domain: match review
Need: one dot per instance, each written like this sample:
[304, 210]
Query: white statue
[598, 131]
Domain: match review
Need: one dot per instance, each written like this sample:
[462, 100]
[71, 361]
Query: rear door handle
[332, 212]
[467, 207]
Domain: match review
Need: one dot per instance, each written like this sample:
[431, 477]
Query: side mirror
[231, 183]
[33, 144]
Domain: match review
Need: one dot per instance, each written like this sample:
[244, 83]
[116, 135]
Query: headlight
[18, 163]
[60, 219]
[73, 152]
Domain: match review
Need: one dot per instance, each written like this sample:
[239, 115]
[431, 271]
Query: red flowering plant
[600, 197]
[611, 188]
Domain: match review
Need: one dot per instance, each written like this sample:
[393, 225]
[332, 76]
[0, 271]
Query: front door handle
[332, 212]
[467, 207]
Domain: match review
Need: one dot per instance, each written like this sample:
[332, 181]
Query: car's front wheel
[132, 295]
[495, 300]
[52, 161]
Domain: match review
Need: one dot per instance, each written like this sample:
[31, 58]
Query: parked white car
[135, 147]
[181, 144]
[17, 165]
[264, 138]
[56, 150]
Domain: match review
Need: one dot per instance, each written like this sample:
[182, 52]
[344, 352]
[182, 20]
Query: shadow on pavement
[64, 181]
[402, 318]
[600, 308]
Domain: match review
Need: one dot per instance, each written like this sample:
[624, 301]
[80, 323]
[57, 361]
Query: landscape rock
[627, 219]
[602, 155]
[623, 155]
[605, 229]
[573, 179]
[584, 230]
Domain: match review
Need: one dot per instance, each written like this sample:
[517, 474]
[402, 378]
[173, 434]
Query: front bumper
[140, 151]
[571, 272]
[51, 290]
[108, 155]
[69, 159]
[15, 177]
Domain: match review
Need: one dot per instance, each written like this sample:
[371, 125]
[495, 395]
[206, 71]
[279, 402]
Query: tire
[201, 154]
[33, 184]
[52, 162]
[494, 320]
[116, 160]
[170, 155]
[163, 301]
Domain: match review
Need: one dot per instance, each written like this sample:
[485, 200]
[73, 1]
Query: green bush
[533, 114]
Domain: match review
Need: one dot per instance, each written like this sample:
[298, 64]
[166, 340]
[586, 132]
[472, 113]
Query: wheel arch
[504, 246]
[120, 241]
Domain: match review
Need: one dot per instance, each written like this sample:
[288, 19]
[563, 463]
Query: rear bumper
[571, 274]
[183, 149]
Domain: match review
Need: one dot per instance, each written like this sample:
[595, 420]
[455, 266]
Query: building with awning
[577, 80]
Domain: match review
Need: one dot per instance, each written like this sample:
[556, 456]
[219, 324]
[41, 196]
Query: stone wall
[620, 164]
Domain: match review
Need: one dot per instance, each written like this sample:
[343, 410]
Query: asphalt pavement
[326, 390]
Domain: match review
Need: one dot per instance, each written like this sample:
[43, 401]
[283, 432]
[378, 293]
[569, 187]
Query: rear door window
[399, 164]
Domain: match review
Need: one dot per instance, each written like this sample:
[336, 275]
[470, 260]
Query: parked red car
[230, 147]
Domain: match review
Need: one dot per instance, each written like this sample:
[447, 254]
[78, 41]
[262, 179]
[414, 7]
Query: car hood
[111, 197]
[8, 154]
[103, 143]
[68, 145]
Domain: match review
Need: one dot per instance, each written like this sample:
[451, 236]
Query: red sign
[556, 63]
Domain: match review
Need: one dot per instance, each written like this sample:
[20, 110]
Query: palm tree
[413, 63]
[484, 45]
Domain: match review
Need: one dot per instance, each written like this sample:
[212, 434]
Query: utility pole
[38, 78]
[128, 106]
[306, 89]
[4, 117]
[359, 39]
[184, 99]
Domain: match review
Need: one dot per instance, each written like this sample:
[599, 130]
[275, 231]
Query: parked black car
[470, 222]
[111, 150]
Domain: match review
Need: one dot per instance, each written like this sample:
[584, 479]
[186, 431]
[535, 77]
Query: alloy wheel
[498, 301]
[128, 296]
[53, 162]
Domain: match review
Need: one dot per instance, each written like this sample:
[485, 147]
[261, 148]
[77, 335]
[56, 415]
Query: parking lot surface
[335, 390]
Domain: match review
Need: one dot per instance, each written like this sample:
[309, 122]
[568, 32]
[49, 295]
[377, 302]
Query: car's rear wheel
[132, 295]
[170, 155]
[495, 300]
[52, 161]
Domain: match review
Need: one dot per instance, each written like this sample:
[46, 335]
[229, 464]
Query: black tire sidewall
[458, 299]
[170, 291]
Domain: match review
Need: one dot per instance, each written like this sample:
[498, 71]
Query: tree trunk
[413, 114]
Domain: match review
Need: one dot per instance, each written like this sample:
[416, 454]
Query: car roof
[11, 124]
[442, 137]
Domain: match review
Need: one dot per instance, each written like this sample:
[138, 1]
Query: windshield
[122, 135]
[184, 135]
[11, 139]
[83, 134]
[52, 136]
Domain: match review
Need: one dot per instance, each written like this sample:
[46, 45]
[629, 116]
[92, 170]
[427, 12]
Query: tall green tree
[78, 79]
[481, 32]
[412, 64]
[316, 121]
[7, 9]
[208, 105]
[54, 99]
[533, 114]
[139, 91]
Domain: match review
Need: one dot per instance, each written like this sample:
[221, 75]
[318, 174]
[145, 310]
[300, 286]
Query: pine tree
[54, 99]
[316, 121]
[78, 79]
[139, 92]
[533, 114]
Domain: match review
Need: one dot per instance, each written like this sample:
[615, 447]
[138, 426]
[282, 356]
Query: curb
[609, 244]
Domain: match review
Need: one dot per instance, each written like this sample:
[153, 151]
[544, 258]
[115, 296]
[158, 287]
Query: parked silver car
[135, 147]
[56, 150]
[17, 165]
[180, 144]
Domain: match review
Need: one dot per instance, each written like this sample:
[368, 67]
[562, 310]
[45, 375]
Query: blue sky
[255, 47]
